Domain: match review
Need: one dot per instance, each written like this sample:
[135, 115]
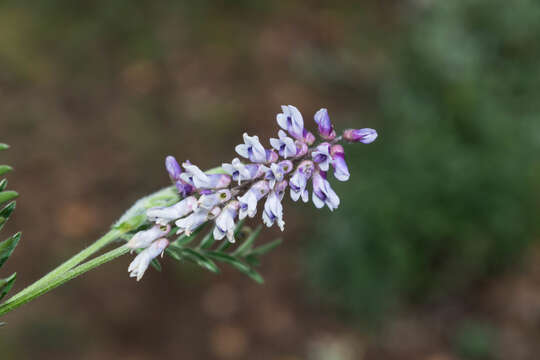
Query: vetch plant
[170, 220]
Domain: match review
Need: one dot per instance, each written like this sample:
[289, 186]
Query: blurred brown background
[94, 95]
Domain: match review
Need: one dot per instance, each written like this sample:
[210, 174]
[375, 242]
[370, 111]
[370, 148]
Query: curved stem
[51, 284]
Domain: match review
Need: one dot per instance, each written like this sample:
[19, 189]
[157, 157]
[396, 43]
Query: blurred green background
[433, 253]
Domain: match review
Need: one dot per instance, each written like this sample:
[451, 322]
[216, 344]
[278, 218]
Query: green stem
[72, 262]
[51, 284]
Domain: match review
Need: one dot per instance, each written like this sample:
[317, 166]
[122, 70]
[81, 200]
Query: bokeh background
[433, 254]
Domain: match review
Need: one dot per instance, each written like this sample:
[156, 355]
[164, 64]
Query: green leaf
[207, 241]
[252, 260]
[5, 213]
[263, 249]
[246, 245]
[7, 196]
[3, 184]
[155, 264]
[6, 285]
[236, 263]
[3, 146]
[4, 169]
[200, 259]
[7, 247]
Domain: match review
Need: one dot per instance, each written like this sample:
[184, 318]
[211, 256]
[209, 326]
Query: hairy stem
[53, 283]
[72, 262]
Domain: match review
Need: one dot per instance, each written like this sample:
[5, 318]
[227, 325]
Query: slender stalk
[53, 283]
[72, 262]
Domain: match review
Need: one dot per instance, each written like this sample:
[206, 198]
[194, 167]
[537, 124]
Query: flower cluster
[264, 174]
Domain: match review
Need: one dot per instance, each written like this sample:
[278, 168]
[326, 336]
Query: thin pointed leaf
[207, 241]
[6, 285]
[3, 184]
[7, 196]
[236, 263]
[246, 245]
[7, 247]
[155, 264]
[5, 213]
[252, 260]
[3, 146]
[200, 259]
[4, 169]
[263, 249]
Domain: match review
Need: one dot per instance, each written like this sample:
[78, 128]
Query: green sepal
[3, 184]
[6, 285]
[263, 249]
[236, 263]
[4, 169]
[7, 196]
[3, 146]
[7, 247]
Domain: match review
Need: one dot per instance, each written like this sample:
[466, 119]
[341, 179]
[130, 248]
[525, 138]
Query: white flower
[241, 172]
[225, 225]
[190, 223]
[201, 180]
[323, 194]
[322, 156]
[139, 265]
[252, 149]
[209, 201]
[144, 238]
[291, 120]
[248, 201]
[164, 215]
[273, 210]
[284, 145]
[299, 181]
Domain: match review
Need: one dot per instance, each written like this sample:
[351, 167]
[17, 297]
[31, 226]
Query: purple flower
[341, 171]
[271, 156]
[252, 149]
[291, 120]
[200, 180]
[366, 136]
[273, 209]
[225, 225]
[301, 148]
[175, 172]
[143, 239]
[248, 201]
[326, 129]
[322, 157]
[164, 215]
[242, 172]
[139, 265]
[323, 194]
[284, 145]
[173, 168]
[299, 181]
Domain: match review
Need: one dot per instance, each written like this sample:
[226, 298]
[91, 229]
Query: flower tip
[365, 136]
